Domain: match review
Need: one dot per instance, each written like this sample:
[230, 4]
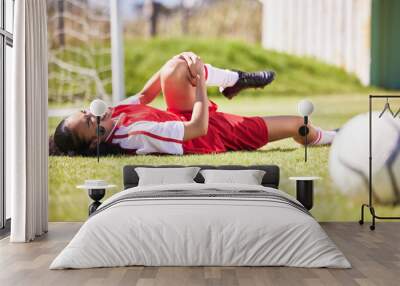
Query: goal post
[117, 52]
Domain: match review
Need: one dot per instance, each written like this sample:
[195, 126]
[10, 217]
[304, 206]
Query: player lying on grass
[190, 125]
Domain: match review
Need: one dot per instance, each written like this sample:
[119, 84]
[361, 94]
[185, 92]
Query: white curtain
[27, 148]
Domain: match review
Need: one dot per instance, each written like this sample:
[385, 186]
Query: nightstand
[305, 190]
[96, 191]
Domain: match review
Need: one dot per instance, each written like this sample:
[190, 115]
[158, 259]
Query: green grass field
[70, 204]
[296, 75]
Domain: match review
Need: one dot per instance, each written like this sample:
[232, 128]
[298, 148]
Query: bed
[198, 224]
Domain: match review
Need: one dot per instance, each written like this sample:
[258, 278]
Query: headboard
[271, 177]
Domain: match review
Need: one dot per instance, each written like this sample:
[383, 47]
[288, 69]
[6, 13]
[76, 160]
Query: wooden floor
[375, 257]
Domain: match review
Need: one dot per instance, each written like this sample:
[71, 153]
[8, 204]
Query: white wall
[335, 31]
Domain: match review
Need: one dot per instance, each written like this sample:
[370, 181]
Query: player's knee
[175, 68]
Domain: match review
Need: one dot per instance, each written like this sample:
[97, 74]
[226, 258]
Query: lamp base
[305, 193]
[96, 195]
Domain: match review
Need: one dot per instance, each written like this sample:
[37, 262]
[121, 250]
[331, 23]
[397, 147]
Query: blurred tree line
[233, 19]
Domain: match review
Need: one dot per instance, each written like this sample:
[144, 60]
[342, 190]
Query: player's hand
[195, 66]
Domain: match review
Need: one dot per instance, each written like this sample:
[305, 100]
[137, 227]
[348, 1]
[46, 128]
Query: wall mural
[202, 85]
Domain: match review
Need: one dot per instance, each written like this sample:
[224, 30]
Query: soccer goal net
[79, 52]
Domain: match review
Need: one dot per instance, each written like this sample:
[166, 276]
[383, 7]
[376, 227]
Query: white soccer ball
[349, 157]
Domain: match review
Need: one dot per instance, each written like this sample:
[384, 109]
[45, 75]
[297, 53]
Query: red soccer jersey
[142, 129]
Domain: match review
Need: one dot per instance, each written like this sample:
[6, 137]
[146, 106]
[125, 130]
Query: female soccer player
[191, 124]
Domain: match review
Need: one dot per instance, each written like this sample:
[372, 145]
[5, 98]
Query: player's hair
[66, 142]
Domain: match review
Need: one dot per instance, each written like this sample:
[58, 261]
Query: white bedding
[183, 231]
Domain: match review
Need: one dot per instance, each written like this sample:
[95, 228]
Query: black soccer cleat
[249, 80]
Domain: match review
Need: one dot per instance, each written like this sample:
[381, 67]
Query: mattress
[201, 225]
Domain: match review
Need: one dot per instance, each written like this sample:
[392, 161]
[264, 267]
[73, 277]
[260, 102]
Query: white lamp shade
[305, 107]
[98, 107]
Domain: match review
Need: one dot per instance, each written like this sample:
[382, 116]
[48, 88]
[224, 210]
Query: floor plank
[375, 257]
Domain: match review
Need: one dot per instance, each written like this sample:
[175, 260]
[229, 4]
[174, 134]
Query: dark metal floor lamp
[370, 201]
[98, 108]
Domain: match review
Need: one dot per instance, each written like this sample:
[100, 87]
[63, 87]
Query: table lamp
[305, 108]
[98, 108]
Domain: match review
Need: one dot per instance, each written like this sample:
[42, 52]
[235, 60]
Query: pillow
[248, 177]
[166, 176]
